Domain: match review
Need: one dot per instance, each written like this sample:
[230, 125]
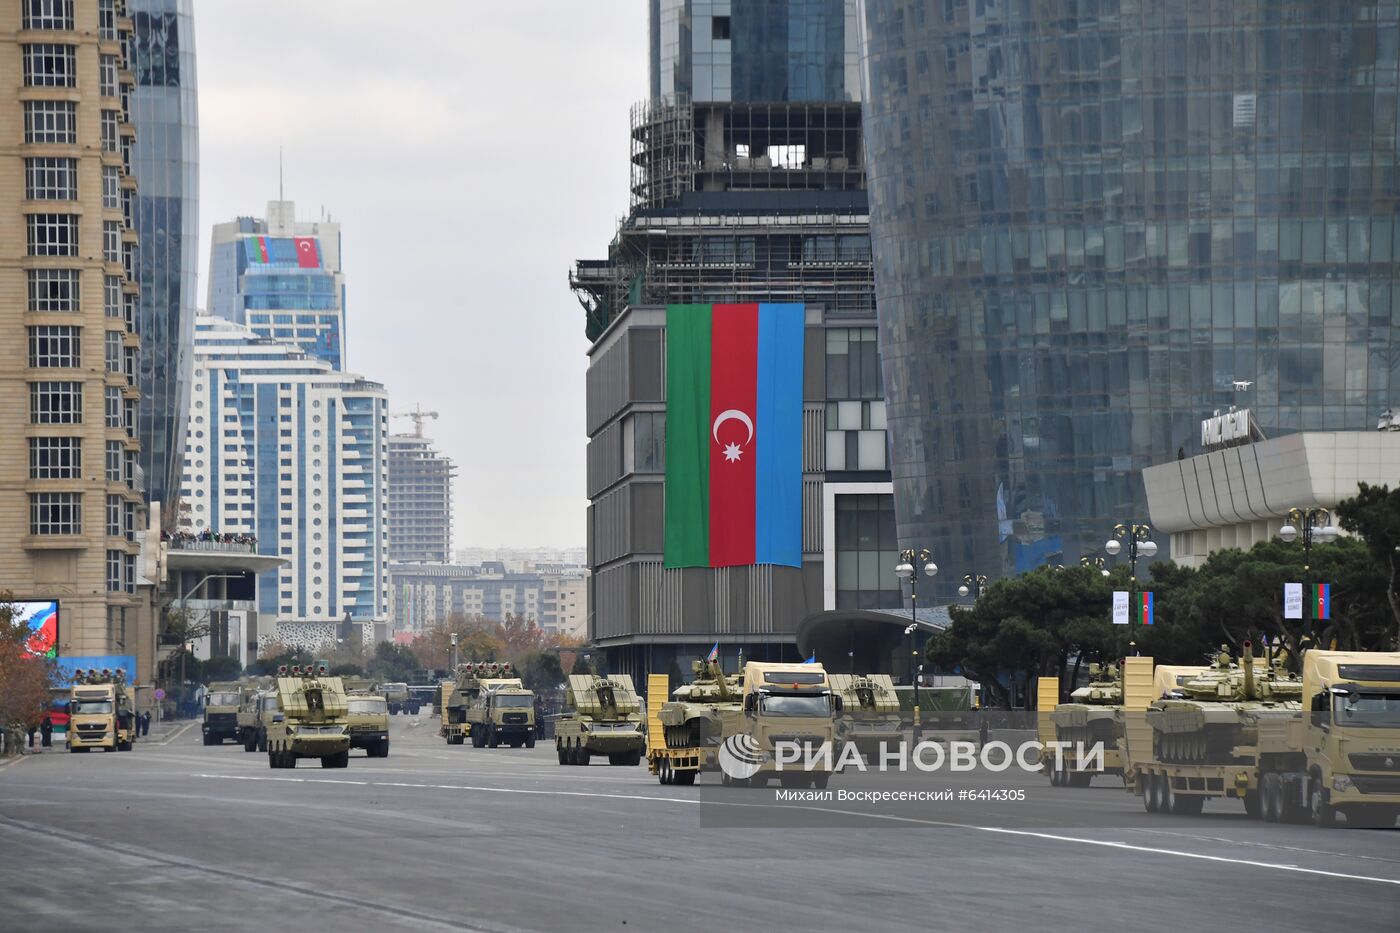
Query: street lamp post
[1094, 562]
[1139, 538]
[454, 653]
[1315, 524]
[906, 570]
[973, 583]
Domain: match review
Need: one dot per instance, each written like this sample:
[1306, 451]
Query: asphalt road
[180, 837]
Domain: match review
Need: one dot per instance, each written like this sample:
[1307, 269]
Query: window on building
[107, 75]
[114, 407]
[111, 241]
[855, 435]
[130, 573]
[48, 14]
[112, 350]
[111, 187]
[719, 27]
[129, 405]
[852, 363]
[55, 513]
[55, 403]
[51, 179]
[109, 130]
[112, 296]
[54, 346]
[50, 121]
[53, 290]
[53, 234]
[114, 571]
[866, 552]
[114, 462]
[107, 20]
[114, 516]
[129, 521]
[49, 64]
[55, 458]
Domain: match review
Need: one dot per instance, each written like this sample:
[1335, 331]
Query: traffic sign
[160, 693]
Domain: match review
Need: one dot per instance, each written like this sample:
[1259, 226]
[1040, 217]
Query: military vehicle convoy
[399, 698]
[100, 711]
[311, 719]
[368, 715]
[770, 704]
[221, 704]
[870, 712]
[1093, 717]
[606, 722]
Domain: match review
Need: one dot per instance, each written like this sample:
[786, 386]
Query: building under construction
[420, 497]
[747, 185]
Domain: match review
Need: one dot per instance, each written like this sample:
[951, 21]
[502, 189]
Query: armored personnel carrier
[311, 719]
[871, 711]
[606, 721]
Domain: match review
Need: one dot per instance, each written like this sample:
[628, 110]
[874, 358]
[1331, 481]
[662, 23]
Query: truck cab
[789, 706]
[369, 723]
[101, 714]
[504, 711]
[221, 704]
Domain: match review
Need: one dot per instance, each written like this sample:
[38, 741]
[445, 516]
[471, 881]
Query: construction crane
[418, 415]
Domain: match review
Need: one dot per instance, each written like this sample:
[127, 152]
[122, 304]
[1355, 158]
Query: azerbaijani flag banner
[257, 250]
[1142, 608]
[1322, 600]
[734, 434]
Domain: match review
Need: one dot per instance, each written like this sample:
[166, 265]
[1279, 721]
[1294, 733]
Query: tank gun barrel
[1250, 688]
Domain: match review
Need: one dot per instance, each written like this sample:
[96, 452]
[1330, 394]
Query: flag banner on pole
[1293, 600]
[1322, 600]
[714, 653]
[1120, 607]
[1142, 607]
[734, 435]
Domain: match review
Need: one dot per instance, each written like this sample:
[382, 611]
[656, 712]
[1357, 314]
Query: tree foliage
[392, 663]
[25, 679]
[1374, 514]
[480, 639]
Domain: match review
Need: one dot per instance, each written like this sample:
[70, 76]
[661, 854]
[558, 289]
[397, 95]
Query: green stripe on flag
[687, 436]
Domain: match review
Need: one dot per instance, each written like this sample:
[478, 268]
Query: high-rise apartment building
[282, 278]
[71, 489]
[420, 500]
[1096, 224]
[165, 213]
[286, 449]
[748, 185]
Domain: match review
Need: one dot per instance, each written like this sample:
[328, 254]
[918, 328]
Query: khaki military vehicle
[221, 704]
[100, 712]
[870, 712]
[463, 693]
[369, 723]
[606, 721]
[257, 712]
[311, 720]
[504, 711]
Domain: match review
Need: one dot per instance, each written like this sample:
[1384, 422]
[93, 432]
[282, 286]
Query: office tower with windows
[282, 278]
[71, 487]
[1096, 224]
[420, 500]
[286, 449]
[748, 186]
[165, 212]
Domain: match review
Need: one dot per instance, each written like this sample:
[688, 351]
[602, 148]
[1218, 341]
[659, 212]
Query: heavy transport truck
[257, 711]
[368, 715]
[606, 722]
[100, 711]
[457, 695]
[773, 706]
[311, 719]
[1306, 749]
[221, 704]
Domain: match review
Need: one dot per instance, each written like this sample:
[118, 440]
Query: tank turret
[695, 714]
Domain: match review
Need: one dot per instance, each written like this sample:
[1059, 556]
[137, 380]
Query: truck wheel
[663, 771]
[1151, 802]
[582, 755]
[683, 778]
[563, 756]
[1271, 798]
[262, 740]
[1166, 797]
[636, 759]
[208, 739]
[530, 740]
[820, 779]
[338, 760]
[492, 739]
[384, 749]
[1323, 813]
[1251, 804]
[617, 760]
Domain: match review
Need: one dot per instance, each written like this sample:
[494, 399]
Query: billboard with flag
[40, 620]
[304, 252]
[734, 435]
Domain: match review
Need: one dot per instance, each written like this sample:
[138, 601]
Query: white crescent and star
[732, 451]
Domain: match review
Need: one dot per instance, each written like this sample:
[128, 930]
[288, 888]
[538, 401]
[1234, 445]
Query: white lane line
[1055, 837]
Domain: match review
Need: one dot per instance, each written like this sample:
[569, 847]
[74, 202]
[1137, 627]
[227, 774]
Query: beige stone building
[72, 515]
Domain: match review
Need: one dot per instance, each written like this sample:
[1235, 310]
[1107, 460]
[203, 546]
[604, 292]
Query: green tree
[220, 668]
[393, 663]
[25, 679]
[1374, 514]
[540, 670]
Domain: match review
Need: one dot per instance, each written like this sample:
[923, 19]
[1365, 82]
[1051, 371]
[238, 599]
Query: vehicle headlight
[291, 730]
[1341, 782]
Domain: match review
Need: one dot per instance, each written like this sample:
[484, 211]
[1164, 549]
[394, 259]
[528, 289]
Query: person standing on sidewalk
[46, 730]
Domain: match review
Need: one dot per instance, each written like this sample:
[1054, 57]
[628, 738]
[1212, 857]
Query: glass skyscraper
[165, 213]
[1094, 224]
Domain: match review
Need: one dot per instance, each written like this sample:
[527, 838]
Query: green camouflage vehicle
[606, 721]
[369, 723]
[221, 703]
[311, 719]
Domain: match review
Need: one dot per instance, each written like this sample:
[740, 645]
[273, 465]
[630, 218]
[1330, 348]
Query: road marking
[16, 760]
[1000, 830]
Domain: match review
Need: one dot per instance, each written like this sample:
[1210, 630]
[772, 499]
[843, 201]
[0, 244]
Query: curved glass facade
[165, 213]
[1092, 221]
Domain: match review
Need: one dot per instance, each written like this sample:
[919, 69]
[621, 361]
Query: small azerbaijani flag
[812, 659]
[1143, 609]
[714, 653]
[1322, 600]
[257, 249]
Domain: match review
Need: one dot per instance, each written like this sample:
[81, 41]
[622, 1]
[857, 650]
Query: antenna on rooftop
[279, 174]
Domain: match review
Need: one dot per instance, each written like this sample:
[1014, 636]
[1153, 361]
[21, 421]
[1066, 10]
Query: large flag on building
[734, 435]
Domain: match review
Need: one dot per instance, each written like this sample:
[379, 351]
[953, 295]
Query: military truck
[311, 719]
[504, 711]
[221, 703]
[399, 698]
[606, 722]
[1093, 719]
[685, 728]
[258, 709]
[100, 710]
[870, 714]
[457, 695]
[369, 723]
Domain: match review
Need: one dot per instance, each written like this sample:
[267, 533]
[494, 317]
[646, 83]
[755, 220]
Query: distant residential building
[420, 500]
[282, 278]
[564, 605]
[519, 558]
[284, 447]
[421, 595]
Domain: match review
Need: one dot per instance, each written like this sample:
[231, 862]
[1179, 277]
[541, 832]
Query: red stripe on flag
[733, 415]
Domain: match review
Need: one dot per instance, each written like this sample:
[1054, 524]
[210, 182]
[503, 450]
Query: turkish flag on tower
[308, 252]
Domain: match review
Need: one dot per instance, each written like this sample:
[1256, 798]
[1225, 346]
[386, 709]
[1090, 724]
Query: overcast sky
[471, 151]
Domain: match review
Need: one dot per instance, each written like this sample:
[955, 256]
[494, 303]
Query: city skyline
[444, 315]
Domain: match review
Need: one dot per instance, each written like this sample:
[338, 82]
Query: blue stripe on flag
[778, 479]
